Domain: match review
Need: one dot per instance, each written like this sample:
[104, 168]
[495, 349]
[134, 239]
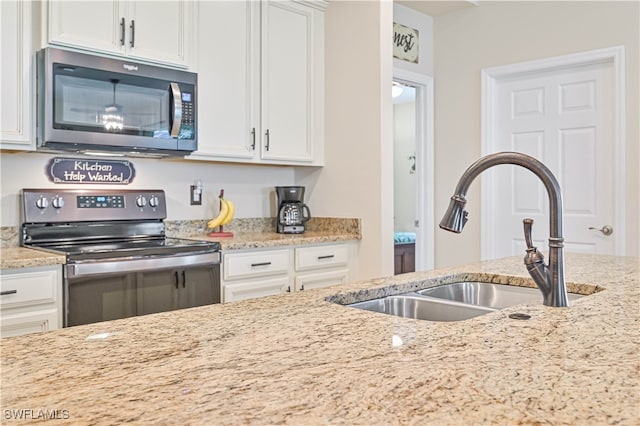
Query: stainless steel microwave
[88, 103]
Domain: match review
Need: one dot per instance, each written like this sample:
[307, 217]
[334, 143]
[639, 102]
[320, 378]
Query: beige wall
[501, 33]
[358, 174]
[250, 187]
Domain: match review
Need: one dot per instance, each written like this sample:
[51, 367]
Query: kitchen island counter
[299, 359]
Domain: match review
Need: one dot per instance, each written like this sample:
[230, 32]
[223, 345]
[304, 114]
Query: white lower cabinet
[253, 289]
[248, 274]
[16, 104]
[321, 279]
[30, 300]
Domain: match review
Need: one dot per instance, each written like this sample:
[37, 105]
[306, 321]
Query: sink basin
[495, 296]
[423, 308]
[454, 302]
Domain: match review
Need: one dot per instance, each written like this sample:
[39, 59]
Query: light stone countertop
[20, 257]
[299, 359]
[253, 240]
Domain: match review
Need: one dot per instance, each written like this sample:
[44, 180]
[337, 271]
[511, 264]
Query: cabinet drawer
[28, 288]
[255, 264]
[321, 257]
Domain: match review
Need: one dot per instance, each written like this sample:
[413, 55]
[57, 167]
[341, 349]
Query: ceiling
[434, 7]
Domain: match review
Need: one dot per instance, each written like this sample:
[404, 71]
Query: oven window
[121, 295]
[104, 298]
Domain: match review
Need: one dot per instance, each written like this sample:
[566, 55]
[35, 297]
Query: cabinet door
[200, 286]
[15, 78]
[287, 52]
[92, 25]
[158, 30]
[29, 322]
[321, 279]
[228, 80]
[251, 290]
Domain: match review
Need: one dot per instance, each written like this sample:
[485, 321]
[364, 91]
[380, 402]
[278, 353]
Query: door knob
[606, 230]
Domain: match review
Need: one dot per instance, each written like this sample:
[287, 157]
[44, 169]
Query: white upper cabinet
[154, 31]
[228, 80]
[287, 81]
[261, 82]
[16, 107]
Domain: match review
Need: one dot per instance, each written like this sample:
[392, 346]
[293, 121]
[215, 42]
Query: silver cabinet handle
[133, 33]
[266, 146]
[253, 139]
[122, 32]
[606, 230]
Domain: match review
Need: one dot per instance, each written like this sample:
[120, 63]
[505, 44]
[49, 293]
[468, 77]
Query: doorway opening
[413, 172]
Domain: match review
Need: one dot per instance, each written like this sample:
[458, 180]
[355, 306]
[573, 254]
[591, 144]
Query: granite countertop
[20, 257]
[252, 240]
[299, 359]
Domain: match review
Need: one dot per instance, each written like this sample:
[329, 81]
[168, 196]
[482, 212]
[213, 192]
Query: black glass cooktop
[130, 248]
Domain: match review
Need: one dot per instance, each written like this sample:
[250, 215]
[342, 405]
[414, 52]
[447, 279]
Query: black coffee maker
[292, 212]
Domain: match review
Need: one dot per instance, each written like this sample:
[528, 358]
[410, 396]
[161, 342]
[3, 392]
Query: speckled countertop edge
[248, 234]
[300, 359]
[20, 257]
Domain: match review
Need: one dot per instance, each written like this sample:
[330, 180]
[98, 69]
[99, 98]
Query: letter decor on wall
[80, 170]
[405, 43]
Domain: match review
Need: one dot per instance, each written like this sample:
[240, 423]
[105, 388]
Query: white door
[564, 118]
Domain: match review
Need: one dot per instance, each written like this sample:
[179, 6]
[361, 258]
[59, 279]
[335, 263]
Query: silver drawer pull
[329, 256]
[253, 265]
[7, 292]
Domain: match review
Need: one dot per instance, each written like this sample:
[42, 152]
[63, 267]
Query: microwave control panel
[187, 109]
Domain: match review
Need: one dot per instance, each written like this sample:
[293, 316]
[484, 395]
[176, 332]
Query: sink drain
[519, 316]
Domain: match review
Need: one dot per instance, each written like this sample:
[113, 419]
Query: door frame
[490, 77]
[425, 176]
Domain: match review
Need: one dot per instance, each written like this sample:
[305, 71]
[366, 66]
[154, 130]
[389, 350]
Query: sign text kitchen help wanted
[81, 170]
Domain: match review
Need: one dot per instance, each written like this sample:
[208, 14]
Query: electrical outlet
[196, 195]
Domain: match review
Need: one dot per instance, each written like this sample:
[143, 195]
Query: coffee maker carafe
[293, 213]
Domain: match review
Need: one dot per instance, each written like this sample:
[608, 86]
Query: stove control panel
[73, 205]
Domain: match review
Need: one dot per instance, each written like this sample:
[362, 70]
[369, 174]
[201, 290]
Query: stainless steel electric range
[119, 262]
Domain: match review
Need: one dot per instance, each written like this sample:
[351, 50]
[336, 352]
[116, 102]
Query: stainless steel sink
[495, 296]
[454, 302]
[423, 308]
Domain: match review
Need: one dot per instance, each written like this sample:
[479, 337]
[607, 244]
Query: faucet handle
[528, 225]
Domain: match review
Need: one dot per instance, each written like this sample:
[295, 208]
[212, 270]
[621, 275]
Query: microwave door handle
[176, 120]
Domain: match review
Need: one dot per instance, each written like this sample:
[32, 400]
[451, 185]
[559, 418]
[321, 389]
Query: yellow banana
[217, 221]
[230, 213]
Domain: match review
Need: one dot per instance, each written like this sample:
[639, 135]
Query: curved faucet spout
[549, 279]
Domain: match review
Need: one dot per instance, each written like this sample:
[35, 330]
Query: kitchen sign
[80, 170]
[406, 42]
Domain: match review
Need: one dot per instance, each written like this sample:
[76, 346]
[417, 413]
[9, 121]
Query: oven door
[103, 291]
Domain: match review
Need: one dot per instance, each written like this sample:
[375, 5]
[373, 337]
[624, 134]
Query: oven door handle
[81, 269]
